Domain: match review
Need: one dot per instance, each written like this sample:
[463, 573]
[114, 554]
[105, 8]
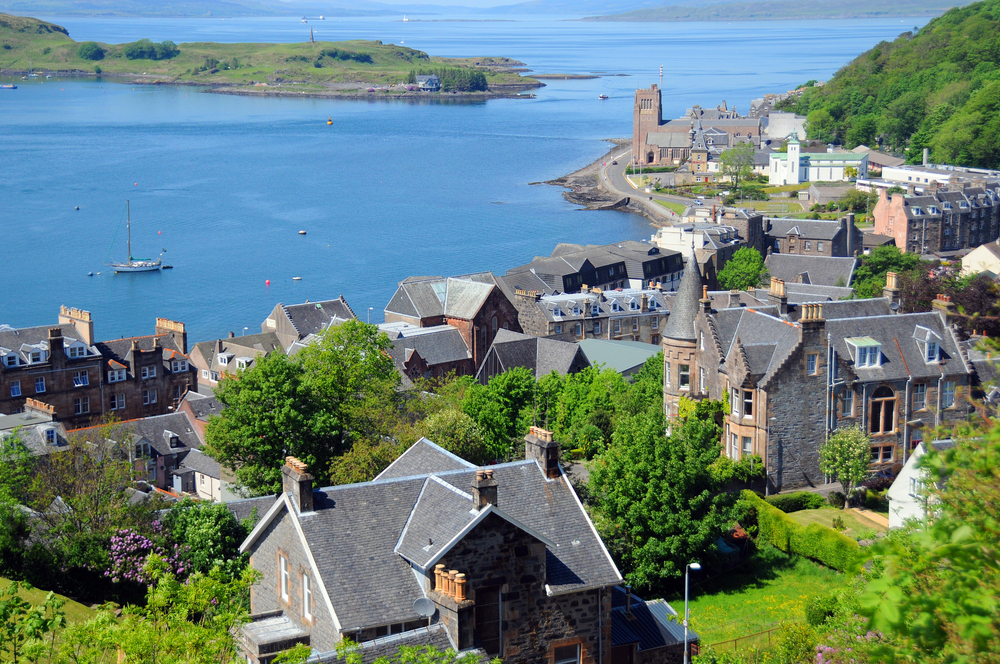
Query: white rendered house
[907, 499]
[796, 167]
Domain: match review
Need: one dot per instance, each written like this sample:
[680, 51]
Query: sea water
[221, 185]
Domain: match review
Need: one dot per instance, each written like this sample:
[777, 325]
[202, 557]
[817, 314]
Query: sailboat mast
[128, 226]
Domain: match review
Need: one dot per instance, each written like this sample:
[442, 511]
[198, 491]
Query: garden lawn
[856, 525]
[670, 205]
[771, 587]
[75, 612]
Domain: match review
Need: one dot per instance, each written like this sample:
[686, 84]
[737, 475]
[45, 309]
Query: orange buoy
[267, 282]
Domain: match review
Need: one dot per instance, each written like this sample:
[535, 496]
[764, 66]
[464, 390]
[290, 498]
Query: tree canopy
[744, 270]
[737, 163]
[846, 456]
[938, 87]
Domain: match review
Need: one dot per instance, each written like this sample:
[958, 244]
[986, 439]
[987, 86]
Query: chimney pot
[232, 334]
[296, 481]
[484, 490]
[438, 577]
[452, 575]
[460, 587]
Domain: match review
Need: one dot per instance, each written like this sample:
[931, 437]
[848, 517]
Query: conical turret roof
[680, 325]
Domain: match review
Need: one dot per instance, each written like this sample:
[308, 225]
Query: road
[613, 179]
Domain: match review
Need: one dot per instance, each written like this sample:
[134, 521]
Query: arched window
[883, 411]
[494, 326]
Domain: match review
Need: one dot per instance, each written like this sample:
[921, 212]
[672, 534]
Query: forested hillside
[937, 88]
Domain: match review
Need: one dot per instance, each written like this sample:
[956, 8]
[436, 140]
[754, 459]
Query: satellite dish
[424, 607]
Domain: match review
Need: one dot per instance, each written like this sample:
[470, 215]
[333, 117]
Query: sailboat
[133, 264]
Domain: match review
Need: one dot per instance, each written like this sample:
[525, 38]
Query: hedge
[794, 502]
[822, 544]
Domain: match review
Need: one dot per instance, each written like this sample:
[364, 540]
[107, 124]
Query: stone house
[511, 350]
[294, 322]
[149, 375]
[940, 220]
[428, 352]
[35, 427]
[815, 237]
[59, 365]
[473, 304]
[215, 359]
[503, 560]
[635, 315]
[199, 409]
[817, 270]
[849, 362]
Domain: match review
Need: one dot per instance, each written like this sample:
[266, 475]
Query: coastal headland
[349, 69]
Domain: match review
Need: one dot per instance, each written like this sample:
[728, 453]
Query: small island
[351, 69]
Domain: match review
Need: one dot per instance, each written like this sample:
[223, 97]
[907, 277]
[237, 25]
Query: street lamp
[245, 328]
[370, 309]
[687, 573]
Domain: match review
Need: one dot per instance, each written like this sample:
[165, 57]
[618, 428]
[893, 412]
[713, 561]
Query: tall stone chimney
[891, 290]
[297, 483]
[166, 326]
[484, 490]
[79, 319]
[777, 295]
[55, 342]
[945, 307]
[539, 446]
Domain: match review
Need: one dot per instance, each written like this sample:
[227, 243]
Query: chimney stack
[945, 307]
[484, 490]
[166, 326]
[891, 290]
[232, 335]
[79, 319]
[297, 482]
[777, 295]
[705, 301]
[55, 341]
[538, 445]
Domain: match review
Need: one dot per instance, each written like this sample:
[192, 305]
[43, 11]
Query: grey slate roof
[888, 330]
[437, 345]
[680, 325]
[154, 429]
[669, 139]
[766, 339]
[120, 350]
[422, 458]
[313, 317]
[459, 297]
[541, 355]
[435, 635]
[441, 512]
[200, 462]
[807, 229]
[876, 306]
[247, 346]
[797, 292]
[822, 270]
[202, 406]
[245, 508]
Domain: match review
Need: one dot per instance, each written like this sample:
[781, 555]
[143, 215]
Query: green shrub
[90, 51]
[836, 499]
[838, 524]
[820, 543]
[339, 54]
[46, 50]
[97, 70]
[819, 608]
[145, 49]
[795, 502]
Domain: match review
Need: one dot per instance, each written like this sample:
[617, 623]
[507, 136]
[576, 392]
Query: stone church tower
[680, 342]
[646, 117]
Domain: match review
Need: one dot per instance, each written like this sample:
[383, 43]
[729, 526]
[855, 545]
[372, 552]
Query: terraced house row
[935, 220]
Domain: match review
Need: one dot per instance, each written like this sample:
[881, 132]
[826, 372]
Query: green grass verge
[786, 187]
[28, 43]
[824, 516]
[769, 588]
[670, 205]
[75, 612]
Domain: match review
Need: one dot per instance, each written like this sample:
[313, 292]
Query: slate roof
[877, 306]
[441, 513]
[200, 462]
[355, 528]
[247, 346]
[806, 229]
[437, 345]
[202, 406]
[541, 355]
[314, 317]
[669, 139]
[680, 325]
[560, 307]
[120, 350]
[765, 339]
[421, 458]
[153, 429]
[435, 635]
[622, 356]
[823, 270]
[798, 293]
[901, 328]
[18, 339]
[876, 240]
[458, 297]
[244, 509]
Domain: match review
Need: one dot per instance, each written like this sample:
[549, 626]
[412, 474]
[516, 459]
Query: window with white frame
[117, 402]
[948, 394]
[633, 305]
[618, 325]
[914, 486]
[597, 327]
[81, 406]
[655, 322]
[177, 366]
[819, 246]
[224, 360]
[701, 340]
[684, 377]
[666, 373]
[566, 654]
[40, 384]
[306, 597]
[81, 378]
[36, 356]
[148, 397]
[214, 376]
[734, 401]
[15, 388]
[868, 352]
[919, 396]
[204, 373]
[10, 360]
[142, 450]
[735, 442]
[747, 403]
[931, 355]
[148, 372]
[595, 310]
[635, 324]
[812, 361]
[285, 578]
[76, 351]
[747, 445]
[615, 306]
[116, 375]
[579, 329]
[558, 329]
[701, 379]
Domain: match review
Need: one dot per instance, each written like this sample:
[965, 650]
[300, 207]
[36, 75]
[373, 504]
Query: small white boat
[405, 19]
[296, 278]
[321, 18]
[134, 264]
[302, 232]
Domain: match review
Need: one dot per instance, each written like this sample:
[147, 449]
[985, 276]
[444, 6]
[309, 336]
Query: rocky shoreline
[585, 187]
[504, 91]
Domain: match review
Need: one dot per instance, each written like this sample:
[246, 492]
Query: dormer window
[947, 205]
[557, 311]
[615, 306]
[633, 305]
[10, 360]
[963, 205]
[576, 310]
[242, 362]
[929, 342]
[916, 211]
[933, 210]
[50, 436]
[223, 360]
[932, 352]
[116, 375]
[177, 366]
[595, 310]
[76, 351]
[36, 356]
[868, 352]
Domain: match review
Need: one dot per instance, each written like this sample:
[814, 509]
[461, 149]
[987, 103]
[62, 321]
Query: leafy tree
[208, 535]
[850, 173]
[895, 189]
[458, 433]
[855, 200]
[144, 49]
[737, 163]
[940, 596]
[335, 392]
[820, 125]
[869, 277]
[363, 462]
[863, 131]
[24, 627]
[655, 501]
[744, 270]
[412, 78]
[503, 410]
[90, 51]
[846, 455]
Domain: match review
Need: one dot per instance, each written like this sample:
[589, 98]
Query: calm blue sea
[223, 184]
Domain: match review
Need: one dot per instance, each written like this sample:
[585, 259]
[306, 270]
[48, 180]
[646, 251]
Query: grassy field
[786, 187]
[670, 205]
[75, 612]
[770, 588]
[31, 44]
[856, 525]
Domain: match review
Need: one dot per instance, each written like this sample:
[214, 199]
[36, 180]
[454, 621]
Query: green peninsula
[937, 88]
[348, 68]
